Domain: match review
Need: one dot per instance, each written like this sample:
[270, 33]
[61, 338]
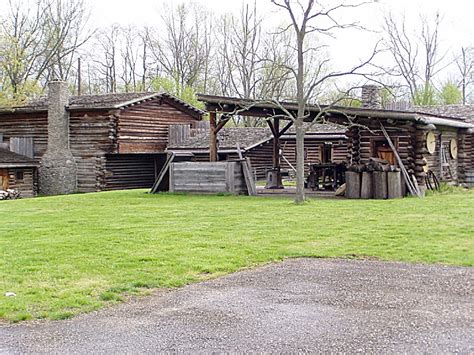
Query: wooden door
[3, 179]
[387, 154]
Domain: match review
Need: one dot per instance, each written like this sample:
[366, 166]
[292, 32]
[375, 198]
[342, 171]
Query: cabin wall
[443, 173]
[92, 135]
[132, 171]
[144, 128]
[23, 180]
[466, 159]
[410, 142]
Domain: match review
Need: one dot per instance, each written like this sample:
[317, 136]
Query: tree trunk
[300, 132]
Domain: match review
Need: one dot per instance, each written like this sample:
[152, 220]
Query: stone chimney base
[58, 175]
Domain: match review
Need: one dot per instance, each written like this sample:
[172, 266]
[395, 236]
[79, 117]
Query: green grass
[70, 254]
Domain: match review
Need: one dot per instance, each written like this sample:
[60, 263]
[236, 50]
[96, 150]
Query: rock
[10, 294]
[341, 191]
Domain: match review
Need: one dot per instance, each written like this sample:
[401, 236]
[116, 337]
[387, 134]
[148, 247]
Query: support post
[276, 145]
[212, 137]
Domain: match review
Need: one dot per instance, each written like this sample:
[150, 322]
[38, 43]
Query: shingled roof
[461, 112]
[9, 159]
[248, 137]
[100, 102]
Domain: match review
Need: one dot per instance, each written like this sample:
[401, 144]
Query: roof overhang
[272, 108]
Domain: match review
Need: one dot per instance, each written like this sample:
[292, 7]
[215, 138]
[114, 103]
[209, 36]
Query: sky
[350, 46]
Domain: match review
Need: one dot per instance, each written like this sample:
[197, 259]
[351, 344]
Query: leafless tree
[307, 19]
[465, 66]
[418, 58]
[40, 40]
[183, 50]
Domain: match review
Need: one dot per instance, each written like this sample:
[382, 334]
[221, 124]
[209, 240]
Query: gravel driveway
[298, 305]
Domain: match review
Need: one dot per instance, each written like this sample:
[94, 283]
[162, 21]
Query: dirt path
[297, 305]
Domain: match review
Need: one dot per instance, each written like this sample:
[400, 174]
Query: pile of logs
[375, 180]
[10, 194]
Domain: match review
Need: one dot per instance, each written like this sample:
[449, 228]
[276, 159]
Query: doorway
[3, 179]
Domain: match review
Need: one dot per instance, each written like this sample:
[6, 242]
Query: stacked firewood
[10, 194]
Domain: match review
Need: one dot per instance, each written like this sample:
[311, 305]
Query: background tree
[465, 66]
[416, 54]
[39, 41]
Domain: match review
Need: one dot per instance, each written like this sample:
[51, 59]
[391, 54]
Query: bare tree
[40, 40]
[465, 66]
[183, 51]
[309, 18]
[417, 58]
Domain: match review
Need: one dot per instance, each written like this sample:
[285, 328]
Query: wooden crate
[207, 178]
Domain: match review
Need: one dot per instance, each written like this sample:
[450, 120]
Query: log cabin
[116, 141]
[425, 142]
[324, 143]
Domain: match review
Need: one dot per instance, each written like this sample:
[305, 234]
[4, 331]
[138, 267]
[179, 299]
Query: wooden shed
[18, 172]
[117, 140]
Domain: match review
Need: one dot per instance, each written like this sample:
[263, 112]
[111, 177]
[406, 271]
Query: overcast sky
[457, 28]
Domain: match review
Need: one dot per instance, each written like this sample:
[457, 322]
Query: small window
[19, 175]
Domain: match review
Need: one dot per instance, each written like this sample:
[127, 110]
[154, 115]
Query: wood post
[394, 185]
[276, 144]
[366, 190]
[212, 137]
[380, 185]
[353, 184]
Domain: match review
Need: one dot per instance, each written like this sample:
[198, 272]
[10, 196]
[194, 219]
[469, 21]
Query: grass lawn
[70, 254]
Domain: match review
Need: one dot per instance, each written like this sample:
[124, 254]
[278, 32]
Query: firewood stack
[375, 180]
[10, 194]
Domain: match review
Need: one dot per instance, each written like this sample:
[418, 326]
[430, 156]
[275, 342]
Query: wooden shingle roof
[9, 159]
[461, 112]
[246, 137]
[101, 102]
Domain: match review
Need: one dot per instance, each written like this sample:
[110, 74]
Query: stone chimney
[371, 97]
[58, 170]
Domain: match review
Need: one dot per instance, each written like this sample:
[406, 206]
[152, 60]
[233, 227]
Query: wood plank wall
[144, 128]
[201, 177]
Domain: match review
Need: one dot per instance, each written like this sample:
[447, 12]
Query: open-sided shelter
[448, 155]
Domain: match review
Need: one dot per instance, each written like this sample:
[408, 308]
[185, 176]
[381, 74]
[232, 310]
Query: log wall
[132, 171]
[410, 142]
[261, 155]
[92, 135]
[144, 128]
[445, 174]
